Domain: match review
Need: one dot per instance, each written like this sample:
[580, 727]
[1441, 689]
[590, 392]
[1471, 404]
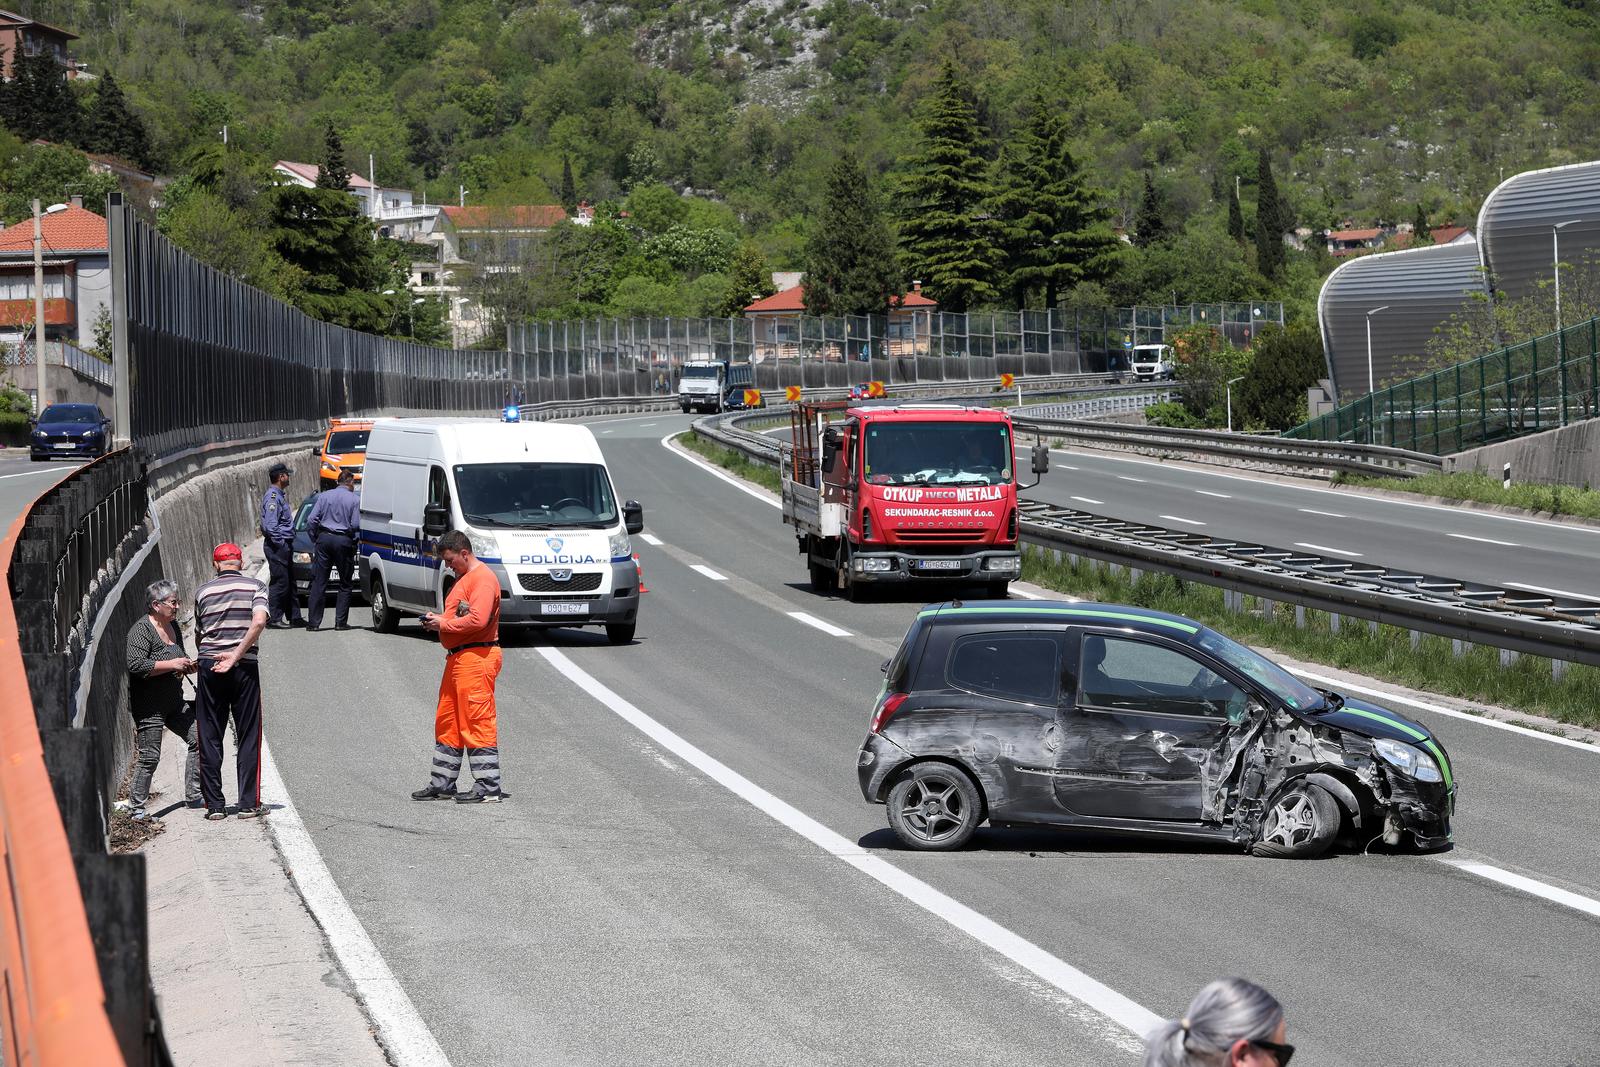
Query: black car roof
[1081, 612]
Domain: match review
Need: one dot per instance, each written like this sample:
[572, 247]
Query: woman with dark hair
[156, 666]
[1230, 1023]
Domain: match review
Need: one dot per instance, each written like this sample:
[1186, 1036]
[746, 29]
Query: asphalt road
[22, 480]
[627, 907]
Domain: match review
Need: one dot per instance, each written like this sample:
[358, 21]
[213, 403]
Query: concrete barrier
[1567, 455]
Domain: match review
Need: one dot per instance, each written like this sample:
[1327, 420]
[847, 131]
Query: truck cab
[909, 493]
[700, 385]
[1153, 363]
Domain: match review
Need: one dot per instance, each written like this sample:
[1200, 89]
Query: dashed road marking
[1547, 589]
[825, 627]
[1088, 500]
[1180, 518]
[1486, 540]
[1125, 478]
[1219, 496]
[1325, 548]
[708, 572]
[1324, 514]
[650, 539]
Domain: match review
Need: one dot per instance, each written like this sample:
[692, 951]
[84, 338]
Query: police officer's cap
[277, 469]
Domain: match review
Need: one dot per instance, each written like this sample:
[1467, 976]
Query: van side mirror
[316, 451]
[435, 519]
[633, 516]
[1041, 458]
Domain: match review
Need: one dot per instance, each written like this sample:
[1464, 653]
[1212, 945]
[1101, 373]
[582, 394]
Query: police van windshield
[536, 496]
[938, 453]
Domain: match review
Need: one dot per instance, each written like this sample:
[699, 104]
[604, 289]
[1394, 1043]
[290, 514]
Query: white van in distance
[535, 498]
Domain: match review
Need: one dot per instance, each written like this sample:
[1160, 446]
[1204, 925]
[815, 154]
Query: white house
[392, 209]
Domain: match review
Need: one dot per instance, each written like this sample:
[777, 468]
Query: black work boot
[435, 792]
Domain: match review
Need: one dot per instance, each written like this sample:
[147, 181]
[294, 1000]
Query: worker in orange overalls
[469, 629]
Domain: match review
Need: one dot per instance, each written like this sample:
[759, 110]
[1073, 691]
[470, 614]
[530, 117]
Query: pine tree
[1269, 219]
[1055, 230]
[1150, 223]
[569, 188]
[38, 103]
[946, 236]
[848, 268]
[334, 172]
[112, 128]
[1420, 231]
[1235, 216]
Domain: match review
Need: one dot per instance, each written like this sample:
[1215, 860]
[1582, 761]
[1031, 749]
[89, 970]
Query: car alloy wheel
[934, 807]
[1301, 823]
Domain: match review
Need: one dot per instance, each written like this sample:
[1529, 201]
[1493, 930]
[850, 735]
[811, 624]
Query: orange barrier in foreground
[52, 1006]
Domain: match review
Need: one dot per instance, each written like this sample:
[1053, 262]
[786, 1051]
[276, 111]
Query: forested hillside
[1365, 110]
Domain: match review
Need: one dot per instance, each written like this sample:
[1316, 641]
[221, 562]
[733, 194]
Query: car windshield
[303, 515]
[700, 372]
[937, 453]
[341, 442]
[70, 413]
[1277, 681]
[536, 496]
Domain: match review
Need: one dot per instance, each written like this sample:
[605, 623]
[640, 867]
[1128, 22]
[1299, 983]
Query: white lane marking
[825, 627]
[1219, 496]
[1345, 494]
[1555, 894]
[1121, 1010]
[605, 431]
[41, 470]
[627, 418]
[1486, 540]
[1439, 709]
[1325, 548]
[1088, 500]
[1180, 518]
[400, 1030]
[1547, 589]
[1125, 478]
[646, 426]
[1067, 467]
[1324, 514]
[650, 539]
[708, 572]
[710, 468]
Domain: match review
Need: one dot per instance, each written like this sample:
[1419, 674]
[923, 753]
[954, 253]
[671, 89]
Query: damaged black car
[1117, 719]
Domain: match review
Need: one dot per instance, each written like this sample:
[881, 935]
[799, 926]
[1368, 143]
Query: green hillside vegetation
[1155, 110]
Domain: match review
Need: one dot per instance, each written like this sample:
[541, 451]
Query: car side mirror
[32, 422]
[633, 516]
[435, 519]
[884, 666]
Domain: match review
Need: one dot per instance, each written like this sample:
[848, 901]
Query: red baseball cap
[226, 550]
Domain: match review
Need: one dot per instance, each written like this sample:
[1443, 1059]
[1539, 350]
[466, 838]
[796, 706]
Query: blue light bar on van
[512, 413]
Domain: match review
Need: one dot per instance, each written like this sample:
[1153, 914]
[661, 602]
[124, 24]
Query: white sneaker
[122, 805]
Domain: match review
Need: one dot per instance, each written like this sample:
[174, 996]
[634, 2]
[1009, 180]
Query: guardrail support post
[1299, 617]
[1269, 608]
[1372, 627]
[1558, 669]
[1458, 648]
[1416, 639]
[1334, 620]
[1508, 657]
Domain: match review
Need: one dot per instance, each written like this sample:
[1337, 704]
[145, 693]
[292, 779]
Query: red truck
[904, 493]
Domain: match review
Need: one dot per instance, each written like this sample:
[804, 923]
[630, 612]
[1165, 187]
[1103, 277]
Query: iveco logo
[561, 574]
[555, 543]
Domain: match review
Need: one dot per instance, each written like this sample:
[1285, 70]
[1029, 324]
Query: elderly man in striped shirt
[230, 611]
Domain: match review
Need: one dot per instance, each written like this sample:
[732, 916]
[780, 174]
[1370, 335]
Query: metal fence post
[1535, 376]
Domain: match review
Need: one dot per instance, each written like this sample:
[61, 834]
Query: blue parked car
[69, 430]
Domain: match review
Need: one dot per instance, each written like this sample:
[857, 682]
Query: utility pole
[38, 308]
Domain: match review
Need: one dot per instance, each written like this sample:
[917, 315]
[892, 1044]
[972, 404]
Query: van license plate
[940, 564]
[563, 609]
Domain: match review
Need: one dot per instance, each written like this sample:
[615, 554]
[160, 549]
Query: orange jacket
[471, 609]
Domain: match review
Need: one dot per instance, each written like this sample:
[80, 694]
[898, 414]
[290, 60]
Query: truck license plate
[563, 609]
[940, 564]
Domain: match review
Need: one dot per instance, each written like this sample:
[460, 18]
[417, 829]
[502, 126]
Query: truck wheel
[685, 407]
[996, 590]
[385, 620]
[620, 633]
[855, 591]
[821, 578]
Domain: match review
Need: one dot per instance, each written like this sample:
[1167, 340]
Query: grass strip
[1486, 489]
[731, 461]
[1386, 653]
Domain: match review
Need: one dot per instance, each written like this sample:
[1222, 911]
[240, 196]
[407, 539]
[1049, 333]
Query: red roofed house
[1351, 242]
[777, 323]
[77, 275]
[32, 37]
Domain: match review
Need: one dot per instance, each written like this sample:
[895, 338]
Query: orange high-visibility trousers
[466, 715]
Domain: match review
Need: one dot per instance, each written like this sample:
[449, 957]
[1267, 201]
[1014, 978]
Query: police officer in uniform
[335, 524]
[277, 534]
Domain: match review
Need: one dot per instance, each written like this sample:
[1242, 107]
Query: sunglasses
[1283, 1053]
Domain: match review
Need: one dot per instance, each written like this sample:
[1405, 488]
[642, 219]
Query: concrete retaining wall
[1569, 455]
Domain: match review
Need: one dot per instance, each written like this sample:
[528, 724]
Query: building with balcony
[77, 276]
[393, 210]
[22, 35]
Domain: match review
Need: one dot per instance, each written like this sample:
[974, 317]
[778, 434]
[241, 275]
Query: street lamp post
[1228, 390]
[1555, 261]
[1371, 385]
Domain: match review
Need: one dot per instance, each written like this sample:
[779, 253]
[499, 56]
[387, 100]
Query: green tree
[334, 172]
[1270, 223]
[51, 174]
[1285, 362]
[691, 252]
[1056, 232]
[946, 235]
[848, 268]
[112, 127]
[569, 188]
[230, 239]
[38, 103]
[1421, 233]
[1206, 362]
[1150, 224]
[748, 281]
[321, 233]
[1235, 216]
[654, 208]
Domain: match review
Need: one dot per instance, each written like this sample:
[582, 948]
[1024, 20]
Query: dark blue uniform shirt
[336, 511]
[277, 520]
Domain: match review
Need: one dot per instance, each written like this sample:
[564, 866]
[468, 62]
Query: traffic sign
[752, 398]
[876, 390]
[1007, 381]
[791, 393]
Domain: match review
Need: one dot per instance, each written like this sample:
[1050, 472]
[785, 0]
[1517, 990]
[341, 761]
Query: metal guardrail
[1558, 628]
[1344, 457]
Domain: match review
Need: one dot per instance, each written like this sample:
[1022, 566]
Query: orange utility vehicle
[343, 449]
[904, 493]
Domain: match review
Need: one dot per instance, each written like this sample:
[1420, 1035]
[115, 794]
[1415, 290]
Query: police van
[537, 502]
